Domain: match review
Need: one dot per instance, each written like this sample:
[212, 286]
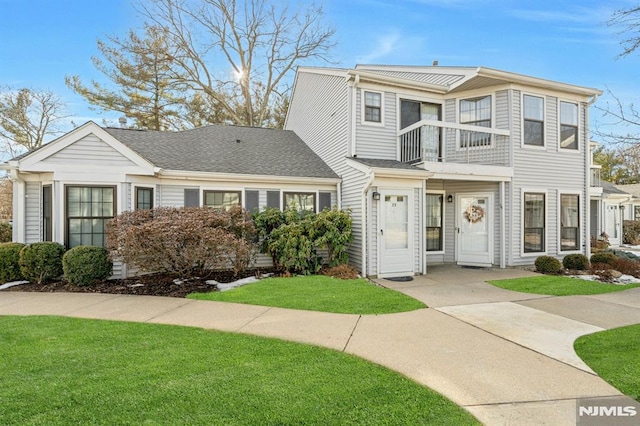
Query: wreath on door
[474, 213]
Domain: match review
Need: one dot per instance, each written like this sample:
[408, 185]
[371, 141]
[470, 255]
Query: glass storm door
[396, 234]
[474, 230]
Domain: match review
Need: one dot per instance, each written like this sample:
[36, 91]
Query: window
[568, 125]
[302, 201]
[47, 212]
[144, 198]
[534, 223]
[636, 212]
[533, 127]
[569, 222]
[373, 107]
[88, 209]
[475, 112]
[222, 199]
[433, 222]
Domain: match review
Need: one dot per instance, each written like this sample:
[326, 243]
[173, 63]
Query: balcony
[443, 142]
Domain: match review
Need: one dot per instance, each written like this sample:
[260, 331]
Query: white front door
[612, 223]
[396, 233]
[474, 229]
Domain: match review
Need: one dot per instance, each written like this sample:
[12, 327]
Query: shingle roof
[227, 149]
[609, 188]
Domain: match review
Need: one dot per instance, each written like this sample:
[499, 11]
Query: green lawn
[555, 285]
[615, 356]
[66, 371]
[318, 293]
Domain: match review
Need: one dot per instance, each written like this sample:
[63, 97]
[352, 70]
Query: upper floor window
[222, 199]
[533, 113]
[568, 125]
[475, 112]
[373, 107]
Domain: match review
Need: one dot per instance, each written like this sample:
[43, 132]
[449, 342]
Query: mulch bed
[148, 285]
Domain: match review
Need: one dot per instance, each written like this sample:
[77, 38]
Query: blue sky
[568, 41]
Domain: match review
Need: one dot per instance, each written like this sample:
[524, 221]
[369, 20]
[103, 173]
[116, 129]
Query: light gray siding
[171, 195]
[90, 150]
[319, 114]
[374, 141]
[33, 212]
[353, 185]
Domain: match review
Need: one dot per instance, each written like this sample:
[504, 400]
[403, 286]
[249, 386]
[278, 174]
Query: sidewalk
[506, 357]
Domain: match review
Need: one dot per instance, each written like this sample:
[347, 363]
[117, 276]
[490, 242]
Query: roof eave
[243, 177]
[395, 81]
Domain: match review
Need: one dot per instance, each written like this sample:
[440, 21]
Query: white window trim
[363, 106]
[560, 148]
[546, 221]
[544, 122]
[493, 120]
[581, 213]
[444, 202]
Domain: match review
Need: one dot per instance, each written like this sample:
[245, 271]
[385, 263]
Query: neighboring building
[632, 210]
[450, 164]
[67, 190]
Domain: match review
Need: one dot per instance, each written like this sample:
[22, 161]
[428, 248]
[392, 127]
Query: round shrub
[9, 262]
[603, 257]
[84, 265]
[41, 262]
[548, 265]
[576, 261]
[6, 233]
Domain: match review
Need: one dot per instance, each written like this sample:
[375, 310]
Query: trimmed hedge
[548, 265]
[84, 265]
[41, 262]
[10, 262]
[576, 261]
[604, 257]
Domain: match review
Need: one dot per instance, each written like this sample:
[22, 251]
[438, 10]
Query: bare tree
[627, 23]
[27, 118]
[239, 53]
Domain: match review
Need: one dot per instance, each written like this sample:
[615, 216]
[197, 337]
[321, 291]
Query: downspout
[509, 256]
[19, 212]
[354, 100]
[587, 180]
[503, 233]
[365, 222]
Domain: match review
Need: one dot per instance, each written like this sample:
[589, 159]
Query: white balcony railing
[439, 141]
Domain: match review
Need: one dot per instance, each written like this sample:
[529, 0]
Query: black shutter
[273, 199]
[192, 198]
[252, 201]
[324, 201]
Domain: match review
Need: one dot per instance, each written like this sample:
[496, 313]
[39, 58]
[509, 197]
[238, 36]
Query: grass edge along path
[77, 371]
[558, 285]
[613, 354]
[318, 293]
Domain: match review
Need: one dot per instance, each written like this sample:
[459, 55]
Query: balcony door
[410, 113]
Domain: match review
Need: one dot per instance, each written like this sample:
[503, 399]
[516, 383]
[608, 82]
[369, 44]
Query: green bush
[10, 262]
[41, 262]
[293, 239]
[6, 232]
[603, 257]
[84, 265]
[548, 265]
[576, 261]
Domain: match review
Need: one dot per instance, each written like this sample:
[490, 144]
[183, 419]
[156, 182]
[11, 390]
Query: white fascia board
[537, 82]
[380, 172]
[248, 178]
[75, 135]
[399, 82]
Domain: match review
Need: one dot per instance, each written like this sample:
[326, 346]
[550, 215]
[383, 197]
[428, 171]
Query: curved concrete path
[506, 357]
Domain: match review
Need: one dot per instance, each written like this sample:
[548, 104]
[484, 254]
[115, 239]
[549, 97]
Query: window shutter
[252, 200]
[324, 201]
[192, 197]
[273, 199]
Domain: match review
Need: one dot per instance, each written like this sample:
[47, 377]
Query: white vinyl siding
[90, 150]
[353, 185]
[33, 212]
[377, 141]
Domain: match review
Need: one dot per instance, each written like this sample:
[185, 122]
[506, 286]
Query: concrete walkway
[507, 357]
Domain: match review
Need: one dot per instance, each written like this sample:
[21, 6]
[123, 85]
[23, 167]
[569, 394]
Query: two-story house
[475, 166]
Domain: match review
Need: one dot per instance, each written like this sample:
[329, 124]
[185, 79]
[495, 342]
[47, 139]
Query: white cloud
[384, 45]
